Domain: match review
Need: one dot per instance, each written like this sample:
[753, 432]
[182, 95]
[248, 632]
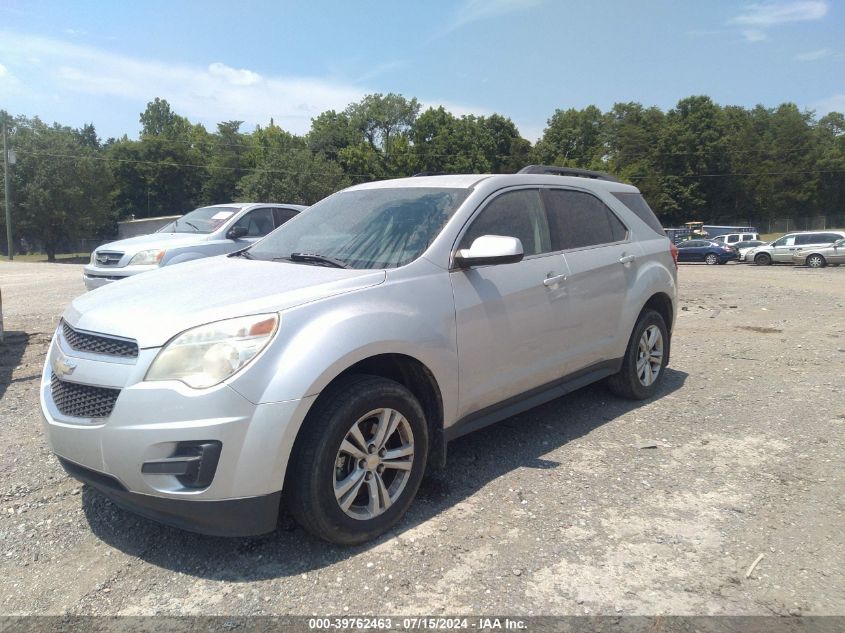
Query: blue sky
[82, 61]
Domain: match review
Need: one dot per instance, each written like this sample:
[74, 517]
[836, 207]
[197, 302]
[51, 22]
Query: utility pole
[6, 191]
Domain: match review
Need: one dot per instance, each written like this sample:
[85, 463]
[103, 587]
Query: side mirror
[490, 249]
[236, 232]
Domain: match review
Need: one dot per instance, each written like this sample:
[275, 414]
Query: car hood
[153, 307]
[154, 240]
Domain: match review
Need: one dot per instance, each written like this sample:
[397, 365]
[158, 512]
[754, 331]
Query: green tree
[61, 188]
[572, 138]
[283, 169]
[226, 162]
[330, 133]
[380, 118]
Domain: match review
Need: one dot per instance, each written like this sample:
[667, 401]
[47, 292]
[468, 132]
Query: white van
[733, 238]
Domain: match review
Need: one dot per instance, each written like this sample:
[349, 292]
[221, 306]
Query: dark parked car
[706, 251]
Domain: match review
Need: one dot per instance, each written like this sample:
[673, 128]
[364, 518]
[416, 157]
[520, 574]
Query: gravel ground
[587, 505]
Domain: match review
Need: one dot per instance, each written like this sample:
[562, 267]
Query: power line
[174, 164]
[638, 153]
[324, 173]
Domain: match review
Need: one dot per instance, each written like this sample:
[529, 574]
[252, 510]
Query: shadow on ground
[474, 461]
[11, 352]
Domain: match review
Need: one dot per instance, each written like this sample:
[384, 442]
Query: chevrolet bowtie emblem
[63, 366]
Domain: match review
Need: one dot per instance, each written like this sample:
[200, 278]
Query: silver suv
[327, 365]
[203, 232]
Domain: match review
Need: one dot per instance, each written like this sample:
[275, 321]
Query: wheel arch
[661, 303]
[409, 372]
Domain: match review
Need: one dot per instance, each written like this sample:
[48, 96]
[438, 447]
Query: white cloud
[757, 18]
[474, 10]
[754, 35]
[835, 103]
[236, 77]
[768, 14]
[811, 56]
[3, 71]
[208, 94]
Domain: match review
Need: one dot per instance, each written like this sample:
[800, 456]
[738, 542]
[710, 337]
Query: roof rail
[567, 171]
[429, 173]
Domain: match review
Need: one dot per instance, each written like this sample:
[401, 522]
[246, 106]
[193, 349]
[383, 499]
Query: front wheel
[816, 261]
[711, 259]
[645, 359]
[358, 461]
[763, 259]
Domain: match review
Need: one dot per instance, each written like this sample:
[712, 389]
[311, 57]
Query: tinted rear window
[636, 203]
[578, 220]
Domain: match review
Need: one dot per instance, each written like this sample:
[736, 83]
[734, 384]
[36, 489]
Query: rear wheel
[645, 359]
[762, 259]
[711, 258]
[359, 461]
[816, 261]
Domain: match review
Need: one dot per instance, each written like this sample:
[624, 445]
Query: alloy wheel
[650, 355]
[373, 464]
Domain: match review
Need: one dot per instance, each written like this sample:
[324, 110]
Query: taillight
[674, 250]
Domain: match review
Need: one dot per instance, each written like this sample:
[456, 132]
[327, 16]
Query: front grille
[107, 258]
[96, 344]
[82, 401]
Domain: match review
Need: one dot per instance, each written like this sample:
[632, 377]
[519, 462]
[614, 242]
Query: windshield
[368, 228]
[204, 220]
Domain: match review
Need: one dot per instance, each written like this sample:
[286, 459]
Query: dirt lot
[557, 511]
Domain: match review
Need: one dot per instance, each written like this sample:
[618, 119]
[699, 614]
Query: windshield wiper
[244, 252]
[191, 224]
[316, 259]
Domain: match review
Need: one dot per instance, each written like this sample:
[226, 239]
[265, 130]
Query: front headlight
[147, 258]
[209, 354]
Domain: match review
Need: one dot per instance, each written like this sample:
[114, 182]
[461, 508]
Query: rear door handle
[553, 281]
[626, 259]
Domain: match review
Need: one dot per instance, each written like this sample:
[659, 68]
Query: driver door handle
[626, 259]
[553, 281]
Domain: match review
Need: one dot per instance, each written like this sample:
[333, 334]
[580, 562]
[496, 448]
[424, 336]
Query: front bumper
[248, 516]
[150, 421]
[96, 276]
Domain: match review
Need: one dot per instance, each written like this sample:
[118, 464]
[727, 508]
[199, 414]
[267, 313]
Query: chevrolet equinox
[325, 366]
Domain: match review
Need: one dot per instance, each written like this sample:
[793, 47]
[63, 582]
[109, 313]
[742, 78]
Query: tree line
[696, 161]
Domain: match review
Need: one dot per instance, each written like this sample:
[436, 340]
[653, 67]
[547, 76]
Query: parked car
[735, 239]
[742, 248]
[707, 251]
[820, 256]
[214, 230]
[782, 249]
[329, 363]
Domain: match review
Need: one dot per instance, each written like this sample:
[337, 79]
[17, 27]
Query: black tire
[309, 483]
[763, 259]
[711, 259]
[816, 261]
[626, 383]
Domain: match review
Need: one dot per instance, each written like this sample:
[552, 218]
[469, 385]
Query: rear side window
[258, 223]
[517, 214]
[283, 215]
[636, 203]
[578, 220]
